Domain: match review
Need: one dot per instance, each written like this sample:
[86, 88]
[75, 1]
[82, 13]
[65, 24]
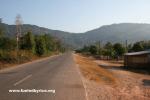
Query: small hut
[137, 60]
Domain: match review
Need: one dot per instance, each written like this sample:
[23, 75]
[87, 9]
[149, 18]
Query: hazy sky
[75, 15]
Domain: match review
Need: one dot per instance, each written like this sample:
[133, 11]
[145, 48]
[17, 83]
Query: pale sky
[75, 15]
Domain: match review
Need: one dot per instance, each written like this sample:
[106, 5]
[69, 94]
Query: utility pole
[1, 65]
[0, 20]
[99, 47]
[127, 45]
[18, 23]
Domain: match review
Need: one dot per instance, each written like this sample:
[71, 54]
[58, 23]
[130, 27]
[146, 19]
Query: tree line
[29, 46]
[113, 51]
[39, 44]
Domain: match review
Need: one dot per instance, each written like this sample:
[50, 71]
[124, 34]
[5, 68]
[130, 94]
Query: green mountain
[114, 33]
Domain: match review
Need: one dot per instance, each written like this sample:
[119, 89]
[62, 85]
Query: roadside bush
[40, 47]
[5, 56]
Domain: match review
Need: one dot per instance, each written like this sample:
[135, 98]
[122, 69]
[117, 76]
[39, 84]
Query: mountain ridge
[114, 33]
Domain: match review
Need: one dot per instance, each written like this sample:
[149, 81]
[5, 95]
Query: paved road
[57, 73]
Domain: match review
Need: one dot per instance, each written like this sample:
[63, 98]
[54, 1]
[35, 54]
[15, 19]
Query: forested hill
[114, 33]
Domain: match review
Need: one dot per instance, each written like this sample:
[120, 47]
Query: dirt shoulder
[104, 81]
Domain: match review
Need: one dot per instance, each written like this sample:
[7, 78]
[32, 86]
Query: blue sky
[75, 15]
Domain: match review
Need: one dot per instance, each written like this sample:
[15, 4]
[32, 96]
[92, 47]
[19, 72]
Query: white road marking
[20, 81]
[85, 88]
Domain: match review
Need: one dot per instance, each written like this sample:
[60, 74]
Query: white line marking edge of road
[82, 82]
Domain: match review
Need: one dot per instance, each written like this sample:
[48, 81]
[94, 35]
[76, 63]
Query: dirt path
[106, 81]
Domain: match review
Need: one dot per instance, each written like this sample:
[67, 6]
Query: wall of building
[137, 61]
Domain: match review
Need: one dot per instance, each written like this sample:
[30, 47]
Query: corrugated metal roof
[137, 53]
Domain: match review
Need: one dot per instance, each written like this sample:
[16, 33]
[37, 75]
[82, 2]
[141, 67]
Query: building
[137, 60]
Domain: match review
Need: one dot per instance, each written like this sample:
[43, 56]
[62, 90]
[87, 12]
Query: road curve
[57, 73]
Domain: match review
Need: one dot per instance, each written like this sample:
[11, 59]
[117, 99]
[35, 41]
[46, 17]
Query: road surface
[57, 73]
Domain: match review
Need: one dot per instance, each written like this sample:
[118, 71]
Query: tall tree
[93, 49]
[145, 44]
[1, 35]
[48, 42]
[99, 48]
[109, 51]
[1, 28]
[40, 45]
[108, 46]
[28, 42]
[119, 49]
[137, 47]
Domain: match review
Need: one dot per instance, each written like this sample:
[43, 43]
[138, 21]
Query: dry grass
[110, 63]
[25, 57]
[92, 71]
[104, 82]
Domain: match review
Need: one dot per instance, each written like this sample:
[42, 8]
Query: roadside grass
[107, 80]
[92, 71]
[10, 59]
